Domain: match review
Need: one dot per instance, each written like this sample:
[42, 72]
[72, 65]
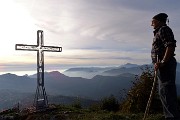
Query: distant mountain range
[92, 83]
[90, 72]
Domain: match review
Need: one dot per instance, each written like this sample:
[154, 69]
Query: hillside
[57, 83]
[59, 112]
[11, 99]
[22, 89]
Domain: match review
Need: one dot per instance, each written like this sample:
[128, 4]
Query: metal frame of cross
[40, 100]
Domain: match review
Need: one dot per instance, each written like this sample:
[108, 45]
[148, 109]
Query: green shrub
[77, 104]
[110, 104]
[95, 107]
[137, 97]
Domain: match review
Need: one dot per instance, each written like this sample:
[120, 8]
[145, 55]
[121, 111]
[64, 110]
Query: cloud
[97, 32]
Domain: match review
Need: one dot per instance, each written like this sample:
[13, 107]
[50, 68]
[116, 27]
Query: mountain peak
[9, 75]
[129, 65]
[54, 74]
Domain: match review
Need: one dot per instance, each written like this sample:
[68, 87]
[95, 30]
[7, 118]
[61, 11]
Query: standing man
[163, 48]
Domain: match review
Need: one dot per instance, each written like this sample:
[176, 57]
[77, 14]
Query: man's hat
[162, 17]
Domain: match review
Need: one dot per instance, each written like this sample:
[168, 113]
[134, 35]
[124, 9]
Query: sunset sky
[91, 32]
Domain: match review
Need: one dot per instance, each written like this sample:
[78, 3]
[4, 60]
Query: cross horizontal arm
[51, 48]
[26, 47]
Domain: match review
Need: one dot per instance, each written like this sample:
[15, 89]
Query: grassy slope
[71, 113]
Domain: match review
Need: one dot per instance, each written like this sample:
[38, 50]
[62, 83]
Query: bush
[138, 95]
[110, 104]
[77, 104]
[95, 107]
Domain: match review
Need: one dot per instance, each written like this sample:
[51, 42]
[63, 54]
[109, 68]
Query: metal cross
[40, 100]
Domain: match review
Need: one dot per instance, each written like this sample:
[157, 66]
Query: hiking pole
[151, 94]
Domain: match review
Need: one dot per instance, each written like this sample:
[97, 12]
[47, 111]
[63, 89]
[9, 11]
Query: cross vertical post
[40, 101]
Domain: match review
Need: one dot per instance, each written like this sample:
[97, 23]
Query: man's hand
[157, 65]
[169, 53]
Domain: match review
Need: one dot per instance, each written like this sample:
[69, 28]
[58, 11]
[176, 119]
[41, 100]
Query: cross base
[41, 101]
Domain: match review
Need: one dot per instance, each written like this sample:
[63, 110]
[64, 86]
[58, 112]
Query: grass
[71, 113]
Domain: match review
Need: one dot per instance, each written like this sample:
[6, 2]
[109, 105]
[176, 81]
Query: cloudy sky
[91, 32]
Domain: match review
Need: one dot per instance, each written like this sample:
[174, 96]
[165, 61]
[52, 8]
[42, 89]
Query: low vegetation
[61, 112]
[137, 97]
